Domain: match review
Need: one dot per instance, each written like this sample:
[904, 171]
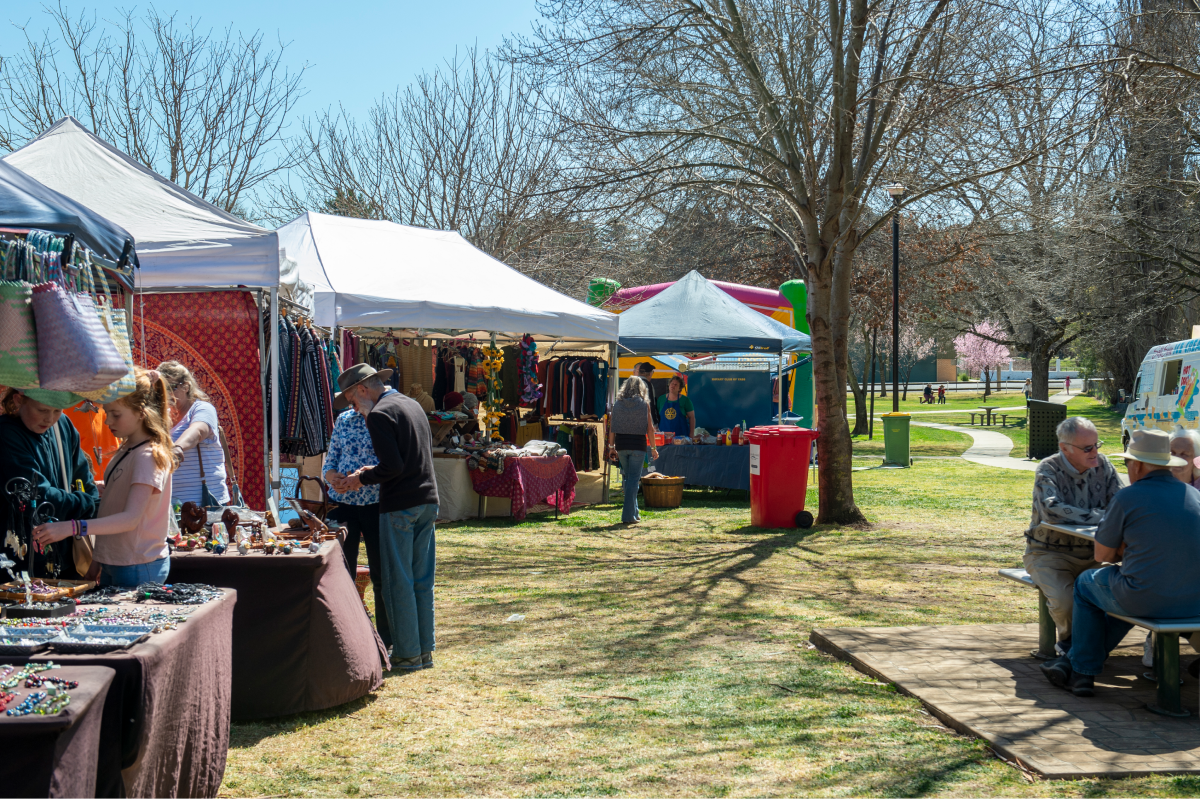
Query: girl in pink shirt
[131, 525]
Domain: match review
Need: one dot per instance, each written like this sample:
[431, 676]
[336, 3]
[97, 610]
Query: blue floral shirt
[350, 449]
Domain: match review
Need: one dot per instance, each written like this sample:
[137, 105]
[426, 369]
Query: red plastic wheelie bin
[779, 459]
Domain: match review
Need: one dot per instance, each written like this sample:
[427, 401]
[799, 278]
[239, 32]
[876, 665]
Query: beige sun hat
[1151, 446]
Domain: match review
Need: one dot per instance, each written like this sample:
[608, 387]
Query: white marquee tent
[183, 241]
[375, 274]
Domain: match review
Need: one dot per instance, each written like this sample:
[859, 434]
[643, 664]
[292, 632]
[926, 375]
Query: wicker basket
[663, 492]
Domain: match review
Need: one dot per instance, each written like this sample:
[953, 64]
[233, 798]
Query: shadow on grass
[244, 734]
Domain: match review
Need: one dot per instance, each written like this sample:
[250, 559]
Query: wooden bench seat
[1166, 645]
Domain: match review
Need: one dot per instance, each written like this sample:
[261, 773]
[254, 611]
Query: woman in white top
[131, 524]
[196, 438]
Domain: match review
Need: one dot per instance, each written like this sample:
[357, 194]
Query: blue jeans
[155, 571]
[407, 550]
[1093, 632]
[631, 461]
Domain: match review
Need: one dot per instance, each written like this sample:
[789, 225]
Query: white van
[1164, 393]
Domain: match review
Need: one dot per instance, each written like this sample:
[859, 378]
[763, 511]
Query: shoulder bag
[207, 500]
[81, 547]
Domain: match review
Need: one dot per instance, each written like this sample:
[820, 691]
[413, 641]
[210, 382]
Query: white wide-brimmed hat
[1151, 446]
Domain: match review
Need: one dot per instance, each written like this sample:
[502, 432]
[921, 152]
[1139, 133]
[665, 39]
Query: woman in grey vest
[630, 427]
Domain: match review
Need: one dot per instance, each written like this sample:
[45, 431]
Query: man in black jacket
[408, 505]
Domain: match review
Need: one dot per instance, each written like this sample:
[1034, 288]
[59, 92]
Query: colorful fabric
[216, 336]
[349, 449]
[529, 482]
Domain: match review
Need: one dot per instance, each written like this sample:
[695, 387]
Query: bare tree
[468, 147]
[208, 111]
[797, 110]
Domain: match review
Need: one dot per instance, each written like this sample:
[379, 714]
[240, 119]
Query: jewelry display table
[56, 755]
[165, 730]
[302, 639]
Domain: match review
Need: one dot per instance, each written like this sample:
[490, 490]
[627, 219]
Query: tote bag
[75, 351]
[18, 341]
[113, 320]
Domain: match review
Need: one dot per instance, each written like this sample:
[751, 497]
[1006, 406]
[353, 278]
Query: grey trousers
[1055, 573]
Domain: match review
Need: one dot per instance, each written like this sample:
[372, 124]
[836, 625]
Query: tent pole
[263, 366]
[613, 377]
[781, 387]
[274, 495]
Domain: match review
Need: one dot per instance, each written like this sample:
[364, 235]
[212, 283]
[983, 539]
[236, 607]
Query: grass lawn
[955, 401]
[923, 441]
[671, 658]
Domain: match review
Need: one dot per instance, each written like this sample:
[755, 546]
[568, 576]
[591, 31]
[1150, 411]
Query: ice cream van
[1164, 392]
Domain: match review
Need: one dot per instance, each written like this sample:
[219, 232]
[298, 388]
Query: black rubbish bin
[1043, 419]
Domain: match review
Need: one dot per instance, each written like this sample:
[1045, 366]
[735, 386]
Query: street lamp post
[896, 190]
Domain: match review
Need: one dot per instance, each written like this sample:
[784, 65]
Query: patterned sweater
[1063, 495]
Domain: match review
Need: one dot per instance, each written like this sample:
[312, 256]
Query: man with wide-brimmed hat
[408, 504]
[1153, 529]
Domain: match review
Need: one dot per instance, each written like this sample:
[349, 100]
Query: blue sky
[357, 49]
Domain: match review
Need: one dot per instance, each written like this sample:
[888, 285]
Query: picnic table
[1166, 632]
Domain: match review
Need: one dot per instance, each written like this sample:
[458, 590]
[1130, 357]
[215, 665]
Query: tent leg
[264, 367]
[275, 401]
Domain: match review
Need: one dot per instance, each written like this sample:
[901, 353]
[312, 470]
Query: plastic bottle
[737, 434]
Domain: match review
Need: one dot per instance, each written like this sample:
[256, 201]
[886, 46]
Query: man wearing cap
[645, 370]
[1072, 486]
[408, 504]
[1153, 529]
[42, 446]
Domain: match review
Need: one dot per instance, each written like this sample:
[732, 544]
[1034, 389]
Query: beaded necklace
[28, 705]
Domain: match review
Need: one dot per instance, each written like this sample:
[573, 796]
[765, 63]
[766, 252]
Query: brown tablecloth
[55, 755]
[165, 730]
[302, 639]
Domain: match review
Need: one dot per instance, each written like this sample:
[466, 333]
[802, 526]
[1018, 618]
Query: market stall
[695, 316]
[450, 319]
[302, 639]
[165, 724]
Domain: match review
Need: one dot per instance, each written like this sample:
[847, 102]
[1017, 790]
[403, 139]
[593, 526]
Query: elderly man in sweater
[1073, 486]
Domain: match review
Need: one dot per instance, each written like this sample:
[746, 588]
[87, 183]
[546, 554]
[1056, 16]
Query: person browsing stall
[42, 446]
[1152, 532]
[350, 449]
[197, 442]
[1073, 486]
[645, 370]
[676, 413]
[630, 427]
[408, 505]
[132, 523]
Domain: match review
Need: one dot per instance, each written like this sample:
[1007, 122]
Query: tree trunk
[871, 413]
[987, 381]
[860, 399]
[1039, 360]
[829, 319]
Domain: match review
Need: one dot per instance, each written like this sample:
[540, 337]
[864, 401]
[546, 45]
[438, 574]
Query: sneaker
[1057, 671]
[407, 664]
[427, 660]
[1081, 685]
[1148, 651]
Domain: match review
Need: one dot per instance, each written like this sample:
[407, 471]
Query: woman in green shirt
[675, 412]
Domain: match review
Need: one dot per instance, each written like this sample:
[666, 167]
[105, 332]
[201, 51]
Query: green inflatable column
[797, 294]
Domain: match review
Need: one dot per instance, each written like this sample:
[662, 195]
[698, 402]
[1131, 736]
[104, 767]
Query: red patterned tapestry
[215, 334]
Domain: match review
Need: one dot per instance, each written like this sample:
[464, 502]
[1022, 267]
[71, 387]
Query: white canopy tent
[375, 274]
[184, 242]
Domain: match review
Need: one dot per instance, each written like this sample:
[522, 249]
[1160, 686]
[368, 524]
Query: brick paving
[981, 680]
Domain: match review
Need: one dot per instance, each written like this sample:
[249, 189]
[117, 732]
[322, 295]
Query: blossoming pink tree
[980, 352]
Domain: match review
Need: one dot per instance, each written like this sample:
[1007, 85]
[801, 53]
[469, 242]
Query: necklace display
[48, 702]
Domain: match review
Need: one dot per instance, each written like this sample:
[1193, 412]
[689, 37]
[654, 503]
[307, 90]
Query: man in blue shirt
[1153, 529]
